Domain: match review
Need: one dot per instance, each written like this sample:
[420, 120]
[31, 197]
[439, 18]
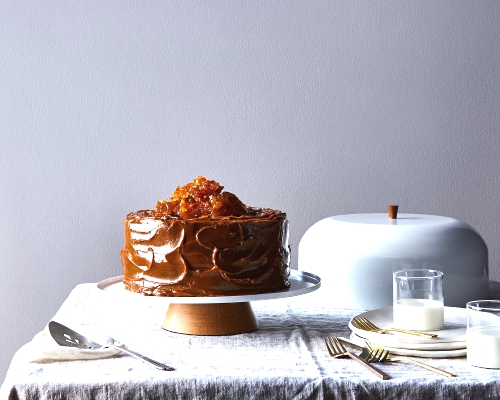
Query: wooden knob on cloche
[393, 211]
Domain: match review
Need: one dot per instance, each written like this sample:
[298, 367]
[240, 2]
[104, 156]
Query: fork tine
[329, 348]
[372, 346]
[374, 351]
[373, 356]
[361, 324]
[356, 322]
[339, 345]
[381, 354]
[332, 349]
[369, 324]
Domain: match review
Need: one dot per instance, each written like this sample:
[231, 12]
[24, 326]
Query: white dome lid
[356, 254]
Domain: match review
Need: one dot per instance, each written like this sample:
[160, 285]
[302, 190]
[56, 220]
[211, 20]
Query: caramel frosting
[212, 255]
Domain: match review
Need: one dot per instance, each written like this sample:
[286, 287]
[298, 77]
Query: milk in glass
[483, 346]
[418, 314]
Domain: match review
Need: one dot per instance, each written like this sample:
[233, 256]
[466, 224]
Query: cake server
[67, 337]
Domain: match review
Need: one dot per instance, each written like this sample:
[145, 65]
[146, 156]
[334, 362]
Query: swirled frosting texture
[206, 257]
[211, 255]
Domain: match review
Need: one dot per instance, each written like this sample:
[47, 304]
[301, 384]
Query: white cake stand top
[300, 283]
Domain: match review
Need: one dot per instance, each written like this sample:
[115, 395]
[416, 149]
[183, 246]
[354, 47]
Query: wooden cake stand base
[210, 319]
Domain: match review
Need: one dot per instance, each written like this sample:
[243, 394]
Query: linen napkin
[44, 349]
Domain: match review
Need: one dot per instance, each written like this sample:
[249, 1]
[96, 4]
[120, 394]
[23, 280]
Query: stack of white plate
[449, 343]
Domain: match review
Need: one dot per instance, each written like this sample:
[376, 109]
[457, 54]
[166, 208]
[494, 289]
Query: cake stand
[221, 315]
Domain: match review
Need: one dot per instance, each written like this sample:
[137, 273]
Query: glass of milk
[418, 299]
[483, 333]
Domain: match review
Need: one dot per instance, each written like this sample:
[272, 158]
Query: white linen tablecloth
[285, 359]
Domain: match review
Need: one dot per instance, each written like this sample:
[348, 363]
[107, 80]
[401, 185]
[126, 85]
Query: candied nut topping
[201, 198]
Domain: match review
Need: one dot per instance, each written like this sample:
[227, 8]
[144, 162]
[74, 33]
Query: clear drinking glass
[418, 299]
[483, 333]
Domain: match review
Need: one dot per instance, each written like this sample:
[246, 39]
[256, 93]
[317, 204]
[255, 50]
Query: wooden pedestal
[210, 319]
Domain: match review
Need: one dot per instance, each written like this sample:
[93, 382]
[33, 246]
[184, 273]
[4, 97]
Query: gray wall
[317, 108]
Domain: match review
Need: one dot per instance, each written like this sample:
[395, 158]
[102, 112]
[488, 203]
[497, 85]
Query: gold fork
[379, 354]
[336, 349]
[366, 325]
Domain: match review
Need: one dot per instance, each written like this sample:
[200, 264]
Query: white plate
[300, 283]
[454, 331]
[414, 353]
